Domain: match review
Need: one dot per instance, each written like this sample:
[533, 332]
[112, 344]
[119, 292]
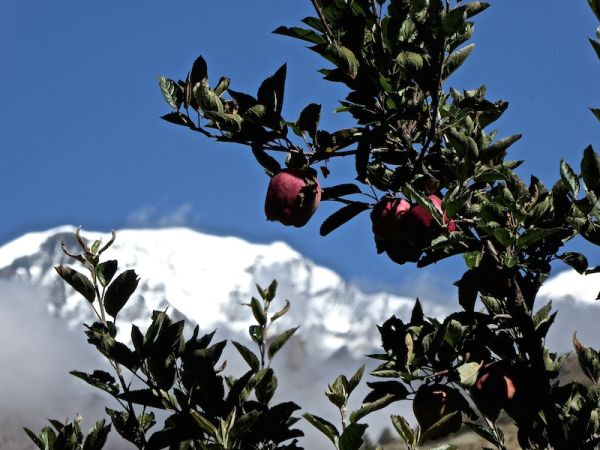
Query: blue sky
[82, 142]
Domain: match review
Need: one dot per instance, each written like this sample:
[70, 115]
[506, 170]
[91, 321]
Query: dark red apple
[292, 197]
[432, 402]
[493, 390]
[386, 217]
[421, 227]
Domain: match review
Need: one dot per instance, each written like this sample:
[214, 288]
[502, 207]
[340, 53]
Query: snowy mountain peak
[205, 279]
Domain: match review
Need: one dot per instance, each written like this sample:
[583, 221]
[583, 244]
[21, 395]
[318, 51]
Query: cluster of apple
[498, 387]
[401, 229]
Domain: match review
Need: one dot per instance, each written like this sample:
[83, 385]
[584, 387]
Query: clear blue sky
[82, 143]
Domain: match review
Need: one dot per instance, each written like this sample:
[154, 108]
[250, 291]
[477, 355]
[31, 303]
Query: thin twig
[328, 31]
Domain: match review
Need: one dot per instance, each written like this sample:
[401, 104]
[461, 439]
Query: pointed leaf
[351, 438]
[106, 271]
[325, 427]
[301, 33]
[341, 216]
[199, 71]
[344, 58]
[309, 119]
[569, 177]
[250, 358]
[590, 170]
[279, 341]
[119, 292]
[456, 59]
[171, 91]
[77, 281]
[576, 260]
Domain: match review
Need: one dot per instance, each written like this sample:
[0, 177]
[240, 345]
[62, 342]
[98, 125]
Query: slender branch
[328, 31]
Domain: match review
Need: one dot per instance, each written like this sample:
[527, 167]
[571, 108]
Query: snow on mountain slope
[205, 279]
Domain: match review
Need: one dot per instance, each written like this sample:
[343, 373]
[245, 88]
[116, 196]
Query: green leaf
[410, 60]
[222, 85]
[468, 373]
[576, 260]
[301, 33]
[99, 379]
[97, 436]
[474, 8]
[266, 387]
[504, 236]
[205, 425]
[440, 426]
[498, 148]
[145, 397]
[309, 119]
[589, 360]
[456, 59]
[534, 235]
[351, 438]
[36, 440]
[341, 216]
[569, 177]
[249, 356]
[258, 311]
[199, 72]
[225, 121]
[344, 58]
[207, 100]
[281, 312]
[484, 432]
[106, 271]
[119, 292]
[403, 428]
[590, 170]
[340, 190]
[595, 6]
[279, 341]
[77, 281]
[368, 408]
[171, 91]
[271, 91]
[270, 164]
[355, 379]
[243, 424]
[325, 427]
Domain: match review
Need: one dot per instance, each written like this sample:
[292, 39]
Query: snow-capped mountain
[205, 279]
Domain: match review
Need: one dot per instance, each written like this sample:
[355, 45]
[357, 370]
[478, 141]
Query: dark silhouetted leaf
[325, 427]
[341, 216]
[301, 33]
[590, 170]
[119, 291]
[351, 438]
[78, 281]
[456, 59]
[576, 260]
[106, 271]
[340, 190]
[279, 341]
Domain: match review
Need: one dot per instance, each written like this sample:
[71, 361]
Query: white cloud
[154, 216]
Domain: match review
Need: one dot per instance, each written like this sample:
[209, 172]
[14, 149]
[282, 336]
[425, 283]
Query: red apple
[386, 217]
[493, 390]
[292, 197]
[421, 227]
[432, 402]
